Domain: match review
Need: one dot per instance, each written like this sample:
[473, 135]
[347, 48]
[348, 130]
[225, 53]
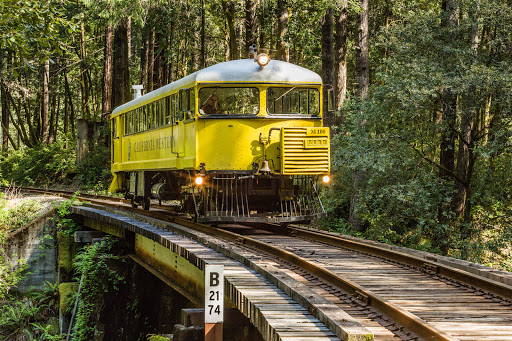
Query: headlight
[199, 180]
[326, 179]
[262, 59]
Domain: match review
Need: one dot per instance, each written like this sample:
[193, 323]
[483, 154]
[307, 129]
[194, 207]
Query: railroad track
[393, 294]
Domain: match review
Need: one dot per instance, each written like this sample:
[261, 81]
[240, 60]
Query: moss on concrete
[66, 251]
[66, 292]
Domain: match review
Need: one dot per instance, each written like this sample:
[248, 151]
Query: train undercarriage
[225, 196]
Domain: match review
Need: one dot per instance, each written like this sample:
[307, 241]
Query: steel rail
[466, 277]
[401, 316]
[69, 194]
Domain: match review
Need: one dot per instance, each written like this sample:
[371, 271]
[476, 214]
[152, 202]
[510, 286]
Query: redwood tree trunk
[340, 65]
[45, 102]
[229, 11]
[202, 53]
[82, 54]
[327, 54]
[151, 60]
[107, 71]
[250, 24]
[3, 103]
[121, 70]
[170, 73]
[464, 167]
[362, 51]
[71, 108]
[144, 54]
[448, 119]
[282, 27]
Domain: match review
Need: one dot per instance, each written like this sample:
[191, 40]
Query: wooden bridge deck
[273, 312]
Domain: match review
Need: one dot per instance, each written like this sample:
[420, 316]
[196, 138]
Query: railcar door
[184, 118]
[116, 141]
[178, 130]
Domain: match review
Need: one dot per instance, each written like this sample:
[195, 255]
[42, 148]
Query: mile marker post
[214, 302]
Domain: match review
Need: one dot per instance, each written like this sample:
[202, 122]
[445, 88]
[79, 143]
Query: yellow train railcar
[237, 141]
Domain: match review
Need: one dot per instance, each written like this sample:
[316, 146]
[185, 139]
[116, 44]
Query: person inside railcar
[212, 106]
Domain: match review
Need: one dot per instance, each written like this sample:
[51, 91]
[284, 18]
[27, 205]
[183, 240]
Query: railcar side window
[159, 113]
[138, 120]
[229, 101]
[186, 104]
[168, 110]
[293, 101]
[173, 109]
[153, 115]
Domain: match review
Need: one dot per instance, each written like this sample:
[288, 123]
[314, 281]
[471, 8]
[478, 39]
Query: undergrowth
[33, 316]
[96, 277]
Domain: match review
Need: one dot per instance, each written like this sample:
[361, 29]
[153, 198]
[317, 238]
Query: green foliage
[9, 275]
[16, 213]
[65, 224]
[42, 166]
[154, 337]
[92, 269]
[386, 152]
[30, 27]
[31, 317]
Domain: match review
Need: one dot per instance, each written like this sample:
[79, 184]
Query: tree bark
[53, 113]
[229, 12]
[144, 55]
[262, 28]
[45, 103]
[26, 138]
[69, 98]
[171, 60]
[327, 55]
[129, 37]
[3, 103]
[202, 54]
[282, 28]
[107, 71]
[151, 60]
[121, 69]
[158, 65]
[464, 170]
[362, 51]
[448, 119]
[82, 54]
[57, 117]
[250, 24]
[340, 65]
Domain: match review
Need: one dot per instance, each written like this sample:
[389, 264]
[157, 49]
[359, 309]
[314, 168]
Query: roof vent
[137, 91]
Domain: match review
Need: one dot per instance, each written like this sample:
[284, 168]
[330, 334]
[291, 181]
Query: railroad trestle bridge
[298, 283]
[276, 304]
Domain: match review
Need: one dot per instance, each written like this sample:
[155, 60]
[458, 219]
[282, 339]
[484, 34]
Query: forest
[421, 152]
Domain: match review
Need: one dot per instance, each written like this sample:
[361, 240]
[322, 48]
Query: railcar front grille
[238, 198]
[305, 151]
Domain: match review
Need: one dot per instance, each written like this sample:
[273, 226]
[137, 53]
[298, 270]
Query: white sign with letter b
[214, 294]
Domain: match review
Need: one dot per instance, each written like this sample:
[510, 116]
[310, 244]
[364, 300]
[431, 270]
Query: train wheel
[134, 203]
[147, 203]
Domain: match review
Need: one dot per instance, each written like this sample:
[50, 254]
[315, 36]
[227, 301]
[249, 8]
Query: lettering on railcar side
[153, 144]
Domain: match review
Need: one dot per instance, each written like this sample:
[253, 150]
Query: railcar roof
[242, 70]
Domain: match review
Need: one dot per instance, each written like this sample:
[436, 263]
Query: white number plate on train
[315, 143]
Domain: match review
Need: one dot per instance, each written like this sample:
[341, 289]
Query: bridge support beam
[174, 270]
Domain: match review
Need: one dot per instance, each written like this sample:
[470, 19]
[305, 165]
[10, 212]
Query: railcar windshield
[229, 101]
[293, 101]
